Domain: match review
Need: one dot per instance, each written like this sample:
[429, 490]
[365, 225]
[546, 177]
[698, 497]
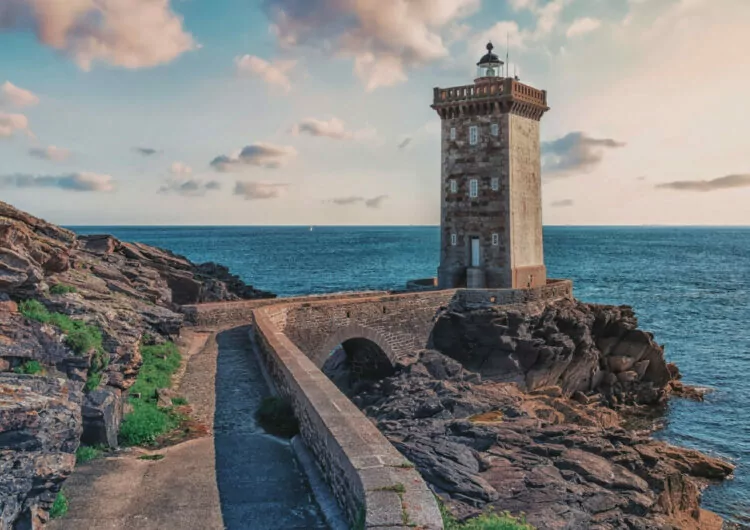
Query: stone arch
[361, 354]
[354, 332]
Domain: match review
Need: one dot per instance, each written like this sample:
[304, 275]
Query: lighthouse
[491, 190]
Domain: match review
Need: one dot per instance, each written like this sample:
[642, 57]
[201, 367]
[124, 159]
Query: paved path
[241, 478]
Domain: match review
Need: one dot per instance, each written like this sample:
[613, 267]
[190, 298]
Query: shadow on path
[261, 485]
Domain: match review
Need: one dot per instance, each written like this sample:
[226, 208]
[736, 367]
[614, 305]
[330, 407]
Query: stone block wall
[370, 479]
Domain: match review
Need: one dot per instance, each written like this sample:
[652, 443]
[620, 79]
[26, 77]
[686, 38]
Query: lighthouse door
[475, 252]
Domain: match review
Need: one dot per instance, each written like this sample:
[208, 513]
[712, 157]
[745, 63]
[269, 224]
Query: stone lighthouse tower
[491, 209]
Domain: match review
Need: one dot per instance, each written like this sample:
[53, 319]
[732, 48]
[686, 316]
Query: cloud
[53, 153]
[333, 128]
[384, 37]
[10, 94]
[563, 203]
[189, 187]
[146, 151]
[259, 190]
[10, 123]
[126, 33]
[261, 154]
[575, 153]
[275, 73]
[720, 183]
[180, 168]
[374, 202]
[581, 26]
[83, 181]
[403, 144]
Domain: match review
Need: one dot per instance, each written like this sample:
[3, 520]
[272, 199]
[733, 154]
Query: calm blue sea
[690, 286]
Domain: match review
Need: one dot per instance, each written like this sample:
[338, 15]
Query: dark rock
[40, 426]
[102, 413]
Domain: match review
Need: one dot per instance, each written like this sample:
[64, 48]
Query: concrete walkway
[240, 478]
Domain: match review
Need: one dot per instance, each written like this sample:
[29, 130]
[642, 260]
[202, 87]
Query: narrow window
[453, 133]
[453, 239]
[473, 188]
[495, 183]
[473, 135]
[494, 129]
[454, 186]
[495, 240]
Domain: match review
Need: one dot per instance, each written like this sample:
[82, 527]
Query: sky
[313, 112]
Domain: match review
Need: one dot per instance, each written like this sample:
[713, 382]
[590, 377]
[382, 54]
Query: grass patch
[486, 521]
[147, 421]
[59, 507]
[61, 288]
[151, 457]
[179, 401]
[29, 368]
[276, 416]
[396, 488]
[87, 453]
[80, 337]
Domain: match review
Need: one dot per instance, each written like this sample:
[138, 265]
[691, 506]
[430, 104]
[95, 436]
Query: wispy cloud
[403, 144]
[373, 202]
[10, 94]
[720, 183]
[259, 190]
[83, 181]
[146, 151]
[180, 168]
[189, 187]
[563, 203]
[584, 25]
[333, 128]
[53, 153]
[274, 73]
[575, 153]
[11, 123]
[261, 154]
[130, 34]
[384, 37]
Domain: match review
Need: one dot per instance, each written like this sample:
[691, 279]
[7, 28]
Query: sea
[689, 286]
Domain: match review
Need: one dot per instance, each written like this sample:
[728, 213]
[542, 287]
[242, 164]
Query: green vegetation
[61, 288]
[276, 416]
[179, 401]
[396, 488]
[151, 457]
[59, 507]
[147, 421]
[29, 368]
[93, 381]
[87, 453]
[486, 521]
[80, 337]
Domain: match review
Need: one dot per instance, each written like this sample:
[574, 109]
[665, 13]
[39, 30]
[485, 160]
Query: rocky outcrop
[130, 292]
[531, 420]
[40, 426]
[582, 348]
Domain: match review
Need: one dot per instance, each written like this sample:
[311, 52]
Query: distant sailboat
[311, 229]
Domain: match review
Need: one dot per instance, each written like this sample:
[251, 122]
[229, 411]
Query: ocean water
[690, 286]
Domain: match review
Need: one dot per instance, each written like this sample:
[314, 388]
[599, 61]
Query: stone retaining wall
[371, 480]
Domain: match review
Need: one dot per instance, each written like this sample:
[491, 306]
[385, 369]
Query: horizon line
[661, 225]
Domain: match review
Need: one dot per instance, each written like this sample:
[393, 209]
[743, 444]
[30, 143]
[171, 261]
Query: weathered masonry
[491, 208]
[374, 484]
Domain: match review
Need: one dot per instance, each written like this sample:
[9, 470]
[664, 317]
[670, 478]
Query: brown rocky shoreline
[131, 293]
[524, 410]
